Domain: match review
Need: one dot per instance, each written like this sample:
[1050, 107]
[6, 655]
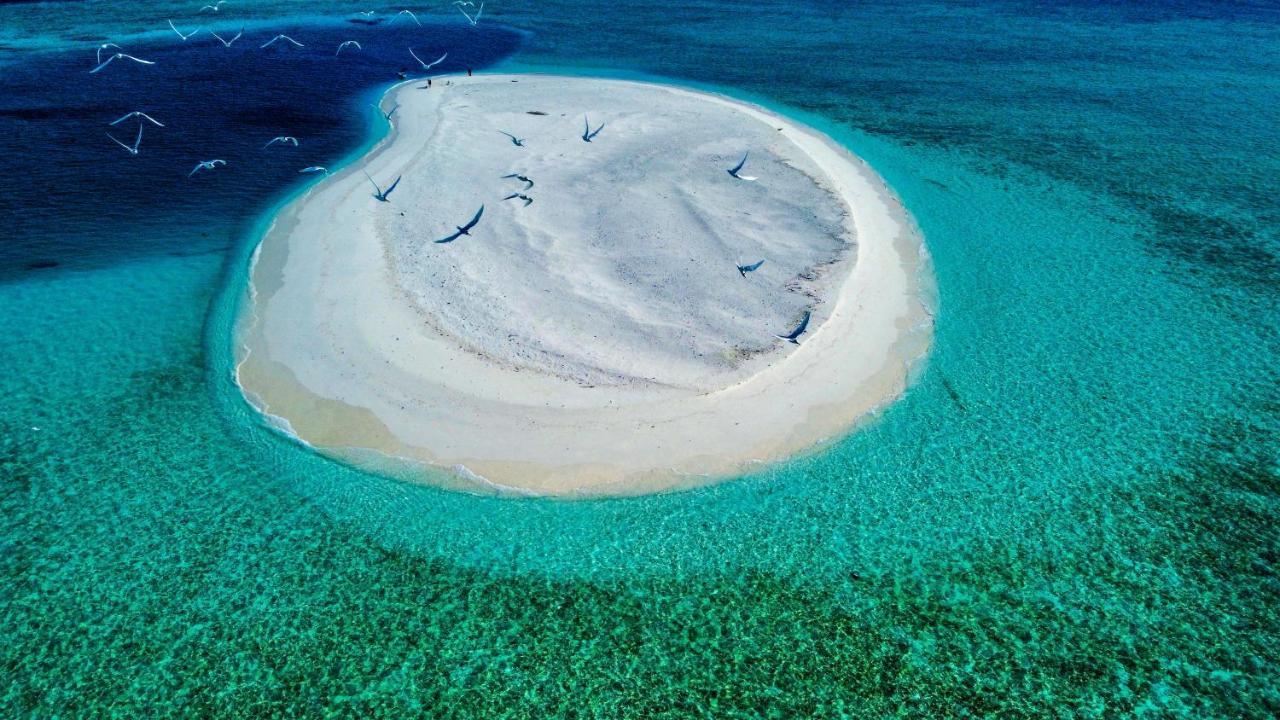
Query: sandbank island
[597, 331]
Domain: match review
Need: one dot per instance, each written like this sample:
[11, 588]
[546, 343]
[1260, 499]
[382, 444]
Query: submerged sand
[598, 339]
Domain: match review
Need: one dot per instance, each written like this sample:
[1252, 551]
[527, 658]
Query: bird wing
[102, 65]
[124, 117]
[512, 196]
[738, 167]
[437, 61]
[475, 219]
[374, 184]
[597, 132]
[295, 42]
[137, 60]
[138, 140]
[195, 169]
[512, 175]
[804, 323]
[268, 43]
[126, 147]
[451, 238]
[753, 267]
[393, 186]
[104, 46]
[415, 57]
[586, 127]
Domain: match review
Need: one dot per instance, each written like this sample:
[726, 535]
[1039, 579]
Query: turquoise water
[1072, 513]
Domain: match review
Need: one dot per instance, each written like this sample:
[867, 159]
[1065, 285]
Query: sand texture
[594, 336]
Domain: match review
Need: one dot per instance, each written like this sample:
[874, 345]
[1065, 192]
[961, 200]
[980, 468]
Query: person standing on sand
[468, 72]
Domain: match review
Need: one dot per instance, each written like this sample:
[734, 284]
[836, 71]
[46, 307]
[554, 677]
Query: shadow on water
[89, 203]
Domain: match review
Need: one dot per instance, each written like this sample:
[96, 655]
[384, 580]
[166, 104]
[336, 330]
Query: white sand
[599, 340]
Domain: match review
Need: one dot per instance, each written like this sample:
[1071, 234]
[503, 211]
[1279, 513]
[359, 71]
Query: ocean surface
[1072, 512]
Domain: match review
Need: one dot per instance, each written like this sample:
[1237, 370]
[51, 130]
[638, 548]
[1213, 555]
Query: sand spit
[595, 336]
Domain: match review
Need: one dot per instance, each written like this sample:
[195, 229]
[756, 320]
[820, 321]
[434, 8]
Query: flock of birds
[114, 52]
[380, 194]
[588, 135]
[794, 336]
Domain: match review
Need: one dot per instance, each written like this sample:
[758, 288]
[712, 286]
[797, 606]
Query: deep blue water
[88, 202]
[1071, 513]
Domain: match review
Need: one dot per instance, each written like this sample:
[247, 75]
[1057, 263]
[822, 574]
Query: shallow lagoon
[1072, 510]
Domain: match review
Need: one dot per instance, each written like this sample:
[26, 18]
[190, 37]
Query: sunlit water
[1072, 512]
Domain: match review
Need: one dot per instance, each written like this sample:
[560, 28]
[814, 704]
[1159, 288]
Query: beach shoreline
[326, 286]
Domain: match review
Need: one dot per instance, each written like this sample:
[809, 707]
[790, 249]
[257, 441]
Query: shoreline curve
[335, 350]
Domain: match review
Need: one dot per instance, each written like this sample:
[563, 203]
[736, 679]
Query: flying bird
[227, 43]
[214, 7]
[280, 37]
[791, 337]
[314, 169]
[514, 140]
[464, 229]
[206, 165]
[744, 269]
[379, 193]
[460, 3]
[119, 56]
[141, 116]
[737, 168]
[587, 134]
[104, 46]
[522, 178]
[283, 140]
[181, 35]
[347, 44]
[473, 20]
[433, 63]
[410, 14]
[136, 142]
[366, 13]
[513, 196]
